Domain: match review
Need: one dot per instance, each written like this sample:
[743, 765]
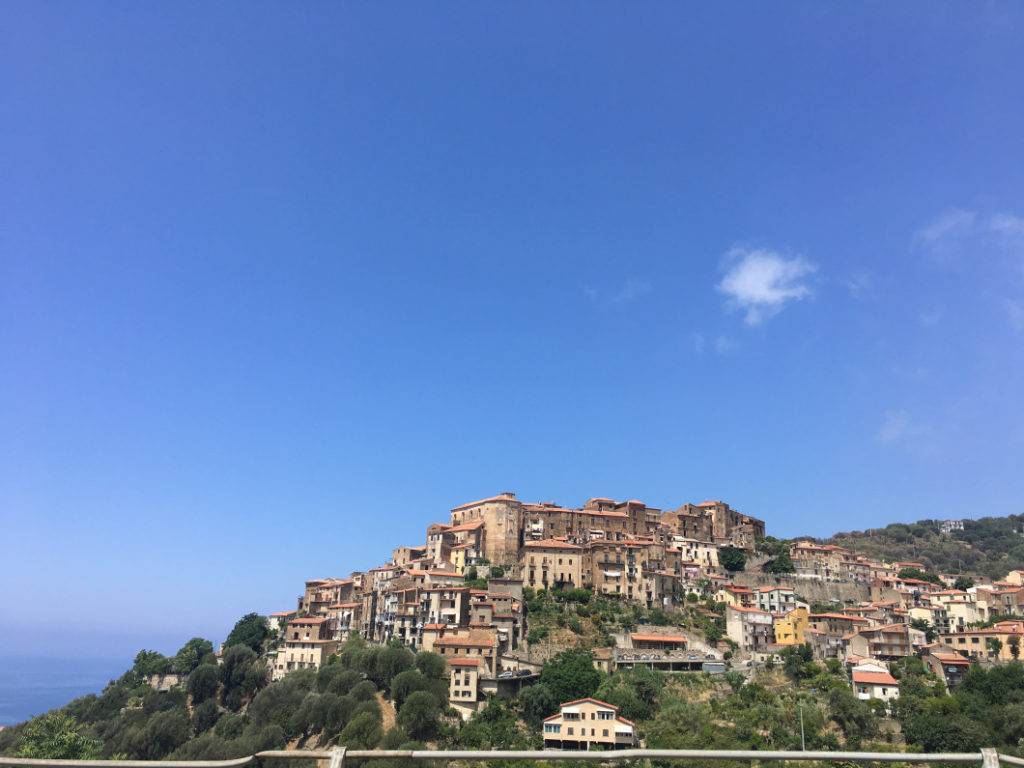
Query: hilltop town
[722, 593]
[519, 625]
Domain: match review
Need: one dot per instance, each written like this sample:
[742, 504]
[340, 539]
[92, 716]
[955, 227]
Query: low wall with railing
[335, 758]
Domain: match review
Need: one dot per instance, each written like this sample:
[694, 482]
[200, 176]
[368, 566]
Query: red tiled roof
[464, 662]
[551, 544]
[659, 638]
[477, 641]
[873, 678]
[467, 526]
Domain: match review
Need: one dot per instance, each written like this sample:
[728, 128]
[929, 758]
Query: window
[570, 730]
[604, 715]
[604, 732]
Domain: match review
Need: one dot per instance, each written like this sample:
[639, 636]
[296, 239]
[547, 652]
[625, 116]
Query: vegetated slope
[989, 546]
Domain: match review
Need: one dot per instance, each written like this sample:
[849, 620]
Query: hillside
[988, 547]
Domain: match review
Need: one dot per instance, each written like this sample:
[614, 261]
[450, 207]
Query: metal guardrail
[988, 758]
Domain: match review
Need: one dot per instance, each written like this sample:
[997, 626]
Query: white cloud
[950, 225]
[762, 281]
[959, 233]
[860, 285]
[1015, 313]
[724, 344]
[1007, 224]
[633, 289]
[898, 426]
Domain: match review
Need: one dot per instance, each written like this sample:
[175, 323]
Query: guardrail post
[989, 758]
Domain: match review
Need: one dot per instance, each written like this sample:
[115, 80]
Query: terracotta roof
[951, 658]
[445, 573]
[283, 613]
[307, 620]
[467, 526]
[873, 678]
[659, 638]
[464, 662]
[477, 639]
[551, 544]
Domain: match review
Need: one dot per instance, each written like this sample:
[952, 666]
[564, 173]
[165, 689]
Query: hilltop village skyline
[464, 593]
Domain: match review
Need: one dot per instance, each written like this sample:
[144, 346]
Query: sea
[33, 685]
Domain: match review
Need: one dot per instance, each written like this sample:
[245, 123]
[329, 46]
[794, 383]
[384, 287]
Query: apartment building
[307, 645]
[552, 564]
[588, 722]
[749, 628]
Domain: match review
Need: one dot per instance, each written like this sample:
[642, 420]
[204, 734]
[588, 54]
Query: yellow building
[789, 629]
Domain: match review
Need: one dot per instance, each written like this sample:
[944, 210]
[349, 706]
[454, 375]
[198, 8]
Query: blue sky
[280, 284]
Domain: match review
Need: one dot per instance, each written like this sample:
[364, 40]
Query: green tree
[571, 675]
[1014, 642]
[406, 683]
[392, 660]
[191, 655]
[56, 736]
[930, 632]
[250, 630]
[781, 564]
[151, 663]
[963, 583]
[732, 558]
[203, 683]
[242, 675]
[995, 645]
[537, 703]
[942, 732]
[430, 664]
[363, 732]
[205, 716]
[917, 573]
[419, 715]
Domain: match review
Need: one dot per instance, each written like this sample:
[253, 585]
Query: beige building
[975, 643]
[464, 685]
[552, 564]
[588, 722]
[479, 644]
[502, 517]
[307, 645]
[749, 628]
